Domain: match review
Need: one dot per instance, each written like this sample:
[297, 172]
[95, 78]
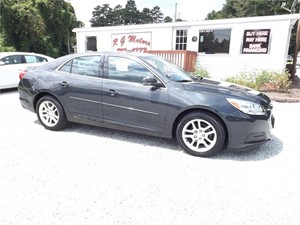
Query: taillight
[22, 74]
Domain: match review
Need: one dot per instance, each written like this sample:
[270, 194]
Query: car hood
[227, 89]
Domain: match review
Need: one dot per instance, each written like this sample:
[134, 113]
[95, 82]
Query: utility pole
[293, 10]
[175, 11]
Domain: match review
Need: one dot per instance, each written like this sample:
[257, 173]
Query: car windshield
[168, 69]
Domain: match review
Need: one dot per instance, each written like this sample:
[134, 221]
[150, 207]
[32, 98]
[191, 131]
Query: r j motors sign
[137, 42]
[256, 41]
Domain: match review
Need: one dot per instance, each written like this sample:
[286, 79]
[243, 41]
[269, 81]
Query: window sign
[256, 41]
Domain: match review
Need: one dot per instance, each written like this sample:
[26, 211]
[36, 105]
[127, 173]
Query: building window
[181, 39]
[91, 43]
[214, 41]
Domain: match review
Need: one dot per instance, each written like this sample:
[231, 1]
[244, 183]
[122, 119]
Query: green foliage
[38, 25]
[248, 8]
[282, 81]
[4, 48]
[200, 72]
[157, 15]
[106, 16]
[21, 24]
[263, 81]
[168, 19]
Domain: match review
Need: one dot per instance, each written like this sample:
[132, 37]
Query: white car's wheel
[201, 134]
[51, 114]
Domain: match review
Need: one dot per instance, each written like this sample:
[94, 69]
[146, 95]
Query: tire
[201, 134]
[51, 114]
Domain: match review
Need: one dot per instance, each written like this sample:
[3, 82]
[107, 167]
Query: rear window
[30, 58]
[34, 59]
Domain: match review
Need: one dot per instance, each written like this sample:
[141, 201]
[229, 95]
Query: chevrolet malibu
[146, 94]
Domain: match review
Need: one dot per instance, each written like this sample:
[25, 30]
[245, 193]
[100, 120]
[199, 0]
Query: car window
[120, 68]
[12, 59]
[169, 70]
[30, 59]
[41, 59]
[85, 65]
[67, 67]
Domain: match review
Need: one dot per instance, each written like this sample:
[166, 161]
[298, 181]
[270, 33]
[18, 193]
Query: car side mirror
[2, 63]
[151, 81]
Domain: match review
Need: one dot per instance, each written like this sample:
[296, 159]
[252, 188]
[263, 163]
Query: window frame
[22, 59]
[91, 47]
[131, 79]
[181, 39]
[211, 48]
[71, 61]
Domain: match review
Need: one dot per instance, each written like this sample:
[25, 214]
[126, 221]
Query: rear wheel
[51, 114]
[201, 134]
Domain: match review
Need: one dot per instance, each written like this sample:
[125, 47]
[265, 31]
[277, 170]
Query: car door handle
[64, 84]
[112, 93]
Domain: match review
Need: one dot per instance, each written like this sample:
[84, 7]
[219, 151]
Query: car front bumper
[249, 134]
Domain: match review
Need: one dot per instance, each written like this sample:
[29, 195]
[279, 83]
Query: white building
[225, 47]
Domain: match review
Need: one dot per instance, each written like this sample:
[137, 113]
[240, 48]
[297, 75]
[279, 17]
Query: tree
[60, 19]
[131, 13]
[3, 47]
[168, 19]
[146, 16]
[157, 15]
[38, 25]
[102, 16]
[118, 15]
[105, 16]
[248, 8]
[21, 24]
[215, 15]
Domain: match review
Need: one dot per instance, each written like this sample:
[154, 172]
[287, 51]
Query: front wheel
[201, 134]
[51, 114]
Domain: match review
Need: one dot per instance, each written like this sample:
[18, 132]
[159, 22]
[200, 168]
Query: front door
[127, 102]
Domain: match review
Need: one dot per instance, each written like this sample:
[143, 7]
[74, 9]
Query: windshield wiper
[183, 81]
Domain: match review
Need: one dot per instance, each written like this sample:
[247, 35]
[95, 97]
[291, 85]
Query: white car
[12, 63]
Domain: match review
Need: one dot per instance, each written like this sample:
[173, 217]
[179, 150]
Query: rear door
[78, 83]
[127, 102]
[9, 71]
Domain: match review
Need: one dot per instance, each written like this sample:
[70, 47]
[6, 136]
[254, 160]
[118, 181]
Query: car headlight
[247, 107]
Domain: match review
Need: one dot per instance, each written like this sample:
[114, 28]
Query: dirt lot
[90, 175]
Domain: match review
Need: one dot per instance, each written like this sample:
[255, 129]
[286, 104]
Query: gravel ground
[90, 175]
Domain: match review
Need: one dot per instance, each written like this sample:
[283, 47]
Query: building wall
[222, 65]
[163, 37]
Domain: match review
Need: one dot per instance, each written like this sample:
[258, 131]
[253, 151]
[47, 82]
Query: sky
[186, 9]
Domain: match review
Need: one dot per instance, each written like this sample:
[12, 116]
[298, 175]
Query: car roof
[3, 54]
[59, 61]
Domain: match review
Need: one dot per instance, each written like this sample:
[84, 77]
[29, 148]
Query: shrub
[263, 81]
[282, 81]
[244, 79]
[200, 72]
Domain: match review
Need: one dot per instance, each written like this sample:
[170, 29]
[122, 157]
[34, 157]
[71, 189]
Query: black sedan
[145, 94]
